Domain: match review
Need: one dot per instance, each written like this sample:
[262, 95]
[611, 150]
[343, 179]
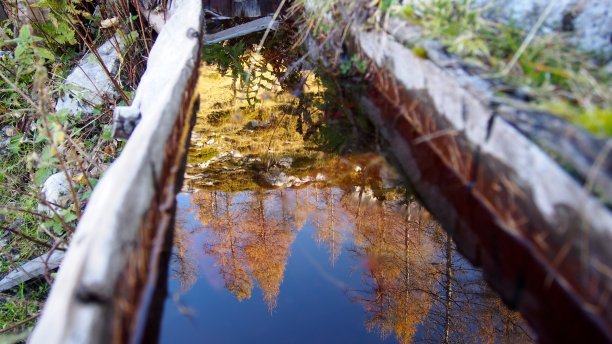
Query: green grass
[24, 304]
[41, 56]
[559, 77]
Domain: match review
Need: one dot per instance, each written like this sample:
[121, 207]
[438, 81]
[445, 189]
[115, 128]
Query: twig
[529, 38]
[11, 328]
[102, 64]
[25, 97]
[27, 237]
[144, 36]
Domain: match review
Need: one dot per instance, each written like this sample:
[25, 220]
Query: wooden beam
[32, 269]
[241, 30]
[98, 296]
[541, 238]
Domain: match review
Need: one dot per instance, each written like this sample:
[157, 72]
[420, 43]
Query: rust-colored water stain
[137, 304]
[494, 219]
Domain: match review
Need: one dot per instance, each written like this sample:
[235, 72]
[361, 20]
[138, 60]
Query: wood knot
[193, 33]
[90, 295]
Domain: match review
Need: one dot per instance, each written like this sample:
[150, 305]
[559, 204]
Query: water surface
[323, 265]
[280, 239]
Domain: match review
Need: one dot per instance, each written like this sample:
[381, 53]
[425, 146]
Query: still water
[281, 241]
[323, 265]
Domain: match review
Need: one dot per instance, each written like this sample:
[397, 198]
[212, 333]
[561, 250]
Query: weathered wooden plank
[32, 269]
[242, 30]
[541, 238]
[133, 203]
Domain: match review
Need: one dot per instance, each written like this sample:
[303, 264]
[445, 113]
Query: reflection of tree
[302, 207]
[225, 245]
[331, 222]
[464, 309]
[249, 239]
[415, 280]
[397, 269]
[267, 245]
[185, 269]
[206, 204]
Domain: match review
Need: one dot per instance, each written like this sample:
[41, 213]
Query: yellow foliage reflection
[416, 287]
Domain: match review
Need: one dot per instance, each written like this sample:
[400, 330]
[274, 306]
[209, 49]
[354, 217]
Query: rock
[5, 139]
[589, 21]
[608, 68]
[125, 120]
[258, 125]
[89, 83]
[281, 180]
[210, 142]
[56, 189]
[365, 195]
[109, 23]
[204, 164]
[285, 162]
[235, 154]
[9, 131]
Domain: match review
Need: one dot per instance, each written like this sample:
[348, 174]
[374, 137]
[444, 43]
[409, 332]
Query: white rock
[204, 164]
[56, 189]
[592, 24]
[89, 83]
[365, 195]
[285, 162]
[210, 142]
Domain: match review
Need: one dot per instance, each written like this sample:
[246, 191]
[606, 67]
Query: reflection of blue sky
[313, 305]
[317, 300]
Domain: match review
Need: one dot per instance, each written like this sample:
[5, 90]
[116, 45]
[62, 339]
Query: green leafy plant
[63, 18]
[561, 78]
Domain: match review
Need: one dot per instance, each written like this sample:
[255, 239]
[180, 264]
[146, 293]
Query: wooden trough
[104, 289]
[542, 238]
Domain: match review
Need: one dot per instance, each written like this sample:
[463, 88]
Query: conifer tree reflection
[184, 269]
[226, 245]
[390, 245]
[267, 245]
[416, 287]
[331, 221]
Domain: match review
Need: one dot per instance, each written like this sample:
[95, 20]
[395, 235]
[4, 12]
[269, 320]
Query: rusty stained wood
[132, 202]
[542, 239]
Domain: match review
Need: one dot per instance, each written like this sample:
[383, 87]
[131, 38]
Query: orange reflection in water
[415, 285]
